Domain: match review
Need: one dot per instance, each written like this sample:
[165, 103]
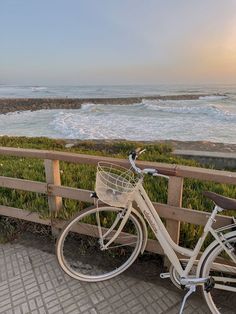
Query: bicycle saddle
[221, 201]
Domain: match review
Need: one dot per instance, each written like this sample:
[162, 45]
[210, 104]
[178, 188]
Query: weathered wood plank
[23, 214]
[192, 216]
[21, 184]
[72, 193]
[172, 170]
[206, 174]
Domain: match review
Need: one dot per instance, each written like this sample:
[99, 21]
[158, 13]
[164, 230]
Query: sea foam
[199, 119]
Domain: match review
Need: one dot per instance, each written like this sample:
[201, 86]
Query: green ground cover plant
[83, 176]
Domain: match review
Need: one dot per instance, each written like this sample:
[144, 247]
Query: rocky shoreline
[205, 146]
[22, 104]
[176, 145]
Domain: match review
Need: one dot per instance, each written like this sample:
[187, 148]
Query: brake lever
[161, 175]
[139, 151]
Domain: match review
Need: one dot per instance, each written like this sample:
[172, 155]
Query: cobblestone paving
[31, 282]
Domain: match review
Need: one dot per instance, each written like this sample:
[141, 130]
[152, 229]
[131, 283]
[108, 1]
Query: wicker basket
[115, 185]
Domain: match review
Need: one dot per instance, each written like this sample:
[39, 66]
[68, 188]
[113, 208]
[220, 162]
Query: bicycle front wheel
[80, 246]
[221, 298]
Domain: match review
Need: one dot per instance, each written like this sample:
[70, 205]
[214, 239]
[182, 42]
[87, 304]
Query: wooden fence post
[175, 190]
[52, 171]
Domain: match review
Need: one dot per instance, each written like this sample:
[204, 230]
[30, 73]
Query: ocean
[209, 118]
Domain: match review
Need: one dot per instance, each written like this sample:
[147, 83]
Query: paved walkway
[32, 282]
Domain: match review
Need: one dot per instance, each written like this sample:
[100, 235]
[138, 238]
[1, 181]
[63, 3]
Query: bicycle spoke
[116, 246]
[225, 287]
[224, 268]
[99, 227]
[224, 279]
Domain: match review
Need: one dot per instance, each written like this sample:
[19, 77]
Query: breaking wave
[186, 120]
[177, 107]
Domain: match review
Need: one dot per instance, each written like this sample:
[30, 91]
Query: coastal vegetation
[83, 176]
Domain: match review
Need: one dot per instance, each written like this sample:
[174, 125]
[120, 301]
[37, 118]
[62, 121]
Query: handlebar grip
[133, 154]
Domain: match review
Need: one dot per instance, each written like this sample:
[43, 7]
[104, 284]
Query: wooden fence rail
[172, 211]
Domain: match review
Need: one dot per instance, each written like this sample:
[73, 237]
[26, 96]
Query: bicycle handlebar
[132, 158]
[151, 171]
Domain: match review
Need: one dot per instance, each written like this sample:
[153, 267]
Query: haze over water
[210, 118]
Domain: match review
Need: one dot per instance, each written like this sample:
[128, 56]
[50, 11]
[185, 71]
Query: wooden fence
[172, 211]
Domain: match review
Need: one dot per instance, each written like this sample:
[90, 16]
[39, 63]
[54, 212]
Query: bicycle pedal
[209, 285]
[165, 275]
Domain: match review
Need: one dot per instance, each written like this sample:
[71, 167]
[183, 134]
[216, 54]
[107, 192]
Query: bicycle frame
[168, 245]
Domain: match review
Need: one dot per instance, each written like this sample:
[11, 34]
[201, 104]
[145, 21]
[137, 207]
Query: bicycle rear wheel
[79, 246]
[222, 296]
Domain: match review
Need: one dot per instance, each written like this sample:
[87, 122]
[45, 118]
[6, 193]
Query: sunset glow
[127, 42]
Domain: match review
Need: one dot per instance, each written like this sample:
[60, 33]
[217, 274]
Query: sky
[96, 42]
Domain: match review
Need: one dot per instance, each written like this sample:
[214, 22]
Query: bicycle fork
[123, 216]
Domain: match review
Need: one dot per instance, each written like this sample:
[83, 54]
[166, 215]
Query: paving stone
[31, 282]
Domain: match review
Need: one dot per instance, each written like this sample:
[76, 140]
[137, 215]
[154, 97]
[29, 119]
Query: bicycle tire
[79, 254]
[218, 299]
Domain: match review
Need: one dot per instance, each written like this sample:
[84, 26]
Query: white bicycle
[102, 242]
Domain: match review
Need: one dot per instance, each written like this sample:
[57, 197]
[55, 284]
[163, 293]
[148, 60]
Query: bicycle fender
[209, 249]
[144, 228]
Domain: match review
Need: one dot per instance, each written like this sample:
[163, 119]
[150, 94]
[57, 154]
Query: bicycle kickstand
[192, 289]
